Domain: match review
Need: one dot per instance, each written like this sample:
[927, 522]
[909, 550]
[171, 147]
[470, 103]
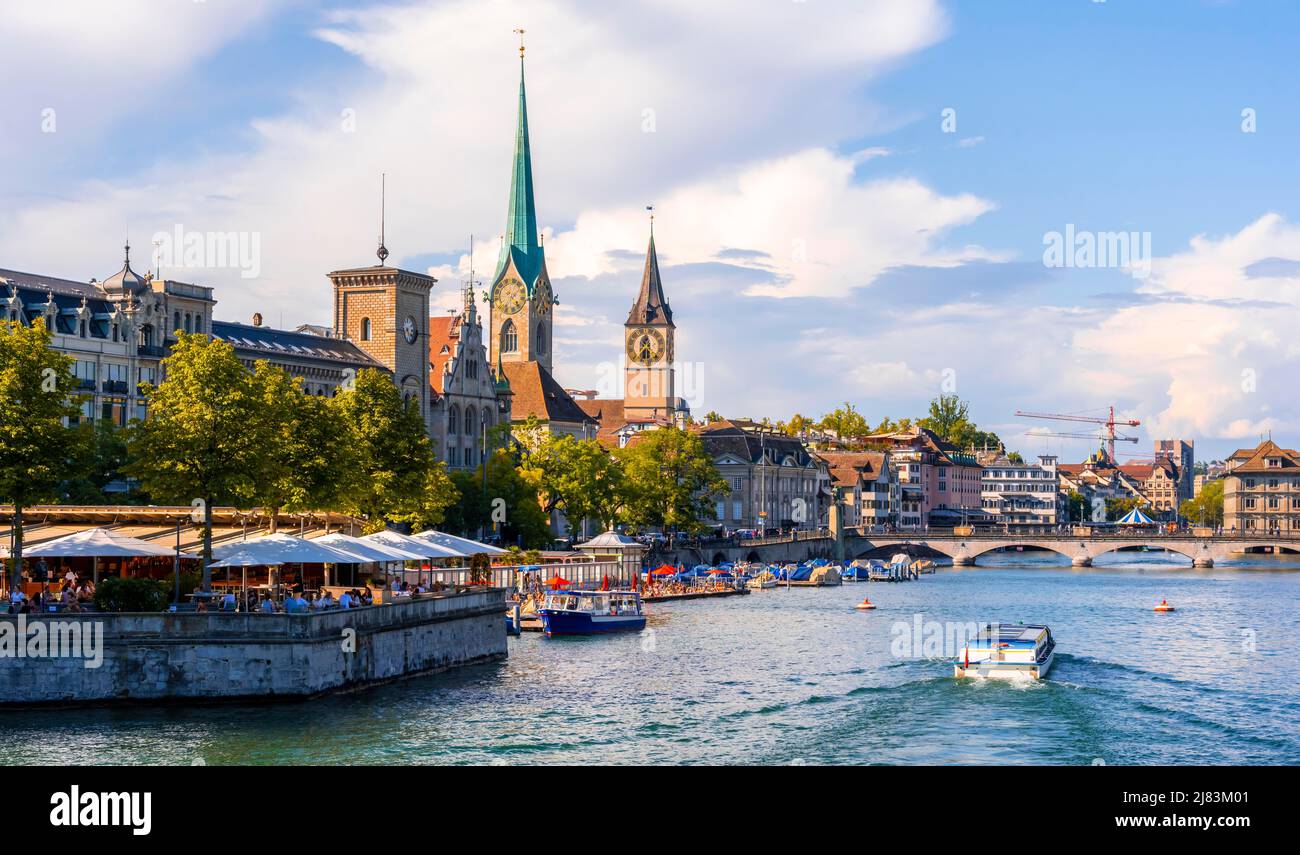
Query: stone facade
[1261, 491]
[214, 656]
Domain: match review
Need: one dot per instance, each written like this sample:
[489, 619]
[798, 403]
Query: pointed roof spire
[521, 241]
[382, 252]
[651, 307]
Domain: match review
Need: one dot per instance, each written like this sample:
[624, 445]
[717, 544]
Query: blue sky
[822, 237]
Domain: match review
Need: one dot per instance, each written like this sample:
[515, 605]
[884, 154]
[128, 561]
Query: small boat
[1008, 652]
[762, 582]
[1165, 607]
[591, 612]
[865, 605]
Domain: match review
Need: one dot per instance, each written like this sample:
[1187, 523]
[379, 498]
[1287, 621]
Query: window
[541, 338]
[365, 329]
[453, 420]
[469, 422]
[509, 338]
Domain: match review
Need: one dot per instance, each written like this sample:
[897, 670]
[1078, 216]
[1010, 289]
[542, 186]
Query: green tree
[845, 421]
[1207, 507]
[508, 506]
[100, 451]
[309, 458]
[1120, 508]
[398, 479]
[1076, 507]
[671, 481]
[200, 438]
[578, 477]
[36, 389]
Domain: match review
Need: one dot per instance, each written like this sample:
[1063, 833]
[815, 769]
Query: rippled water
[799, 676]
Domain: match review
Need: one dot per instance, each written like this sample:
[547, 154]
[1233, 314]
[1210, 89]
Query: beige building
[774, 481]
[1261, 491]
[865, 485]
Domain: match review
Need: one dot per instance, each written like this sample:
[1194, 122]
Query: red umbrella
[664, 570]
[604, 583]
[558, 581]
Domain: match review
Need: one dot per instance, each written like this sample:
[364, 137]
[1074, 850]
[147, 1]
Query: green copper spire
[521, 241]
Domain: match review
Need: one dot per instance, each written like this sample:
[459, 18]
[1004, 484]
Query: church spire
[521, 243]
[651, 307]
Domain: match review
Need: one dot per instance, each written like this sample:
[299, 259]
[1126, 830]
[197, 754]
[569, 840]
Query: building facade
[468, 402]
[1261, 491]
[866, 486]
[1020, 494]
[938, 484]
[775, 482]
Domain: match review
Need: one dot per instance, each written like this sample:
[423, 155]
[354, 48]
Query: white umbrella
[244, 559]
[284, 549]
[368, 550]
[406, 543]
[97, 543]
[460, 544]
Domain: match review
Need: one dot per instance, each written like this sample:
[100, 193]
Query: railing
[1060, 536]
[582, 576]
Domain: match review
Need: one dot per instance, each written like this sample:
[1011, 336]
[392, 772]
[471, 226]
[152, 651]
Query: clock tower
[521, 297]
[648, 345]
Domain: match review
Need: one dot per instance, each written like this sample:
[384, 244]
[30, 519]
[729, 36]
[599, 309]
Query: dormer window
[1275, 462]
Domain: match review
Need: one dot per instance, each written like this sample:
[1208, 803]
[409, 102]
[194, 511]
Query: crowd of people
[67, 593]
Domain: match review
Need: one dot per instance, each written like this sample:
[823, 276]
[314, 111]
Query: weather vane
[651, 209]
[520, 31]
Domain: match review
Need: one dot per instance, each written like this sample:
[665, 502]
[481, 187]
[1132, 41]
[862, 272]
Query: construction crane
[1110, 437]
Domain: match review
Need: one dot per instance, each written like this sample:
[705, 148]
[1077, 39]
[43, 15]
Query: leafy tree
[1120, 508]
[115, 594]
[100, 451]
[518, 517]
[36, 389]
[845, 421]
[1076, 506]
[578, 477]
[712, 416]
[398, 479]
[670, 480]
[800, 424]
[1015, 457]
[200, 439]
[309, 460]
[1207, 507]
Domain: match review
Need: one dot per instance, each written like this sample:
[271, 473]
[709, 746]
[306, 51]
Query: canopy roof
[284, 549]
[460, 544]
[244, 559]
[406, 543]
[97, 543]
[368, 550]
[1136, 517]
[612, 540]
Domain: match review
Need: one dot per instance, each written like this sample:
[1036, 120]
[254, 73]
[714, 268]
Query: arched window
[365, 329]
[469, 421]
[453, 420]
[541, 338]
[176, 322]
[509, 338]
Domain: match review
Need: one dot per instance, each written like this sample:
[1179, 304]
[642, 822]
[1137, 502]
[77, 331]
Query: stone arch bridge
[964, 551]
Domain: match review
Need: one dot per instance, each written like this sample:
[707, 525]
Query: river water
[800, 676]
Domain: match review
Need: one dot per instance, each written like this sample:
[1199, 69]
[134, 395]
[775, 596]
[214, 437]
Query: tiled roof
[731, 437]
[443, 333]
[608, 413]
[1258, 460]
[265, 341]
[651, 307]
[537, 394]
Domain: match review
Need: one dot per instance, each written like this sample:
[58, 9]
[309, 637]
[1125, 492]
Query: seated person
[268, 605]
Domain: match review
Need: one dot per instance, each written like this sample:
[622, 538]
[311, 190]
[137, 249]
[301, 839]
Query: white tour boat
[1005, 651]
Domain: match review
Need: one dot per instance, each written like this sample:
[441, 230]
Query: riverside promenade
[98, 658]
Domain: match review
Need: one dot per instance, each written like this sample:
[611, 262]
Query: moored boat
[1008, 652]
[591, 612]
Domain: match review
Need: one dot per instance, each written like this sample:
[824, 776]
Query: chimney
[257, 319]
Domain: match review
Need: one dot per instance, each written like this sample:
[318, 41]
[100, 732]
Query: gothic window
[365, 329]
[541, 338]
[469, 422]
[453, 420]
[509, 338]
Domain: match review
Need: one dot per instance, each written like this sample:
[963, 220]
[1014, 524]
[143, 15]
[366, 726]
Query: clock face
[510, 296]
[544, 298]
[645, 346]
[408, 330]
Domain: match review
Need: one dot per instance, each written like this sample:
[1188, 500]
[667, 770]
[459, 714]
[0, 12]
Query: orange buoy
[865, 604]
[1164, 606]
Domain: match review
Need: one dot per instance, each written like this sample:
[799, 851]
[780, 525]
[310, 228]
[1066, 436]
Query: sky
[1053, 207]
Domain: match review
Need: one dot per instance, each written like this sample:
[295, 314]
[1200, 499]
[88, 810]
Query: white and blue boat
[1008, 651]
[591, 612]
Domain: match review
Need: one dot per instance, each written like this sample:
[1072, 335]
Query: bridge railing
[944, 534]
